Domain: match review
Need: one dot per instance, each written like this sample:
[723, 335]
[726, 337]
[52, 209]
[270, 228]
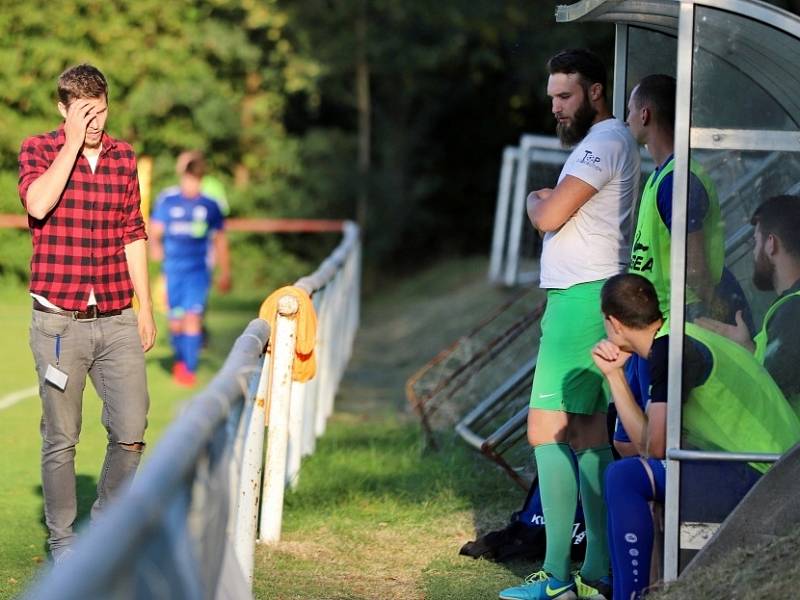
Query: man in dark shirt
[80, 189]
[730, 403]
[776, 267]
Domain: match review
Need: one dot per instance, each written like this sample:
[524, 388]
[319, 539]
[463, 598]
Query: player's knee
[192, 323]
[137, 447]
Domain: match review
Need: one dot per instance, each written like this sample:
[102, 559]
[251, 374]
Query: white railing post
[296, 416]
[284, 340]
[309, 438]
[249, 482]
[331, 380]
[323, 375]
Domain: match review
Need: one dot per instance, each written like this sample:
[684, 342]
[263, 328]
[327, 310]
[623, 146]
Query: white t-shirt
[594, 243]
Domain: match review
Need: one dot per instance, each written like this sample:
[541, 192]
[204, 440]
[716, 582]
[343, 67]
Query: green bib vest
[762, 342]
[761, 339]
[650, 254]
[739, 408]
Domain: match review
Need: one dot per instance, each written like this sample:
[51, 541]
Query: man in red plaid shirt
[80, 189]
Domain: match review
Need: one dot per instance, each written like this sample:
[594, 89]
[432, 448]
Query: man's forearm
[697, 272]
[44, 192]
[136, 257]
[533, 205]
[222, 251]
[630, 414]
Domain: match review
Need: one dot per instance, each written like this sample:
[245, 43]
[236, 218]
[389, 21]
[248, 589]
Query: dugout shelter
[737, 65]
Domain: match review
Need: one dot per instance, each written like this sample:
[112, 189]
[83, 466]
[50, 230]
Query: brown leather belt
[78, 315]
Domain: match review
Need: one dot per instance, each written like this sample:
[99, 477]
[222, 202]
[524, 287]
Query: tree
[449, 84]
[215, 75]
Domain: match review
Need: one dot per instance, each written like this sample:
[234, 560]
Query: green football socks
[559, 490]
[592, 464]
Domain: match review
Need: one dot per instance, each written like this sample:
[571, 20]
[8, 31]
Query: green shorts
[566, 378]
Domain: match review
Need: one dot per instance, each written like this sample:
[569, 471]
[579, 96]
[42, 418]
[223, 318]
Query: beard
[763, 273]
[571, 134]
[92, 145]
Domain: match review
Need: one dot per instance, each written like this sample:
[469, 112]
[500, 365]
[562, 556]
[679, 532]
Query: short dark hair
[658, 92]
[780, 216]
[81, 81]
[631, 299]
[582, 61]
[196, 167]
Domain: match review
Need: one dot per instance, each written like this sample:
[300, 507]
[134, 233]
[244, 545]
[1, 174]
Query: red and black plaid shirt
[80, 244]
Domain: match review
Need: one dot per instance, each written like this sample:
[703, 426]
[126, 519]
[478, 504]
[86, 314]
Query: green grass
[375, 514]
[22, 530]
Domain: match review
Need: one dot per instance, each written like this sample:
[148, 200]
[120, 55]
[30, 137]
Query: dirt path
[406, 325]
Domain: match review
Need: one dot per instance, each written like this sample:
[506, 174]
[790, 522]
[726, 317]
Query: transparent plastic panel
[725, 189]
[744, 77]
[746, 74]
[649, 53]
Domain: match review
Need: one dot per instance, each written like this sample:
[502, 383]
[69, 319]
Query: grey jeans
[110, 352]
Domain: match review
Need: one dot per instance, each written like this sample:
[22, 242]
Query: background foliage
[268, 89]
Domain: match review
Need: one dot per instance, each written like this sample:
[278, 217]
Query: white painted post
[313, 387]
[296, 416]
[284, 341]
[322, 371]
[329, 361]
[309, 440]
[250, 480]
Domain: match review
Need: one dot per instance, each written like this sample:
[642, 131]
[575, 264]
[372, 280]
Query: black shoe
[516, 539]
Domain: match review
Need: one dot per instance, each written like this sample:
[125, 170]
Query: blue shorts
[187, 292]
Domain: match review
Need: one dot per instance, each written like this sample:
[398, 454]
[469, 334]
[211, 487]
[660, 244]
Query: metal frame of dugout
[496, 426]
[737, 64]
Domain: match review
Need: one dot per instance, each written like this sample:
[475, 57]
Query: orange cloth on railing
[304, 365]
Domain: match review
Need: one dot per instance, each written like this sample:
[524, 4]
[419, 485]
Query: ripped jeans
[109, 350]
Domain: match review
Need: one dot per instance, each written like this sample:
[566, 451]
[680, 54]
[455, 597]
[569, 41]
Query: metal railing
[299, 411]
[442, 390]
[186, 526]
[166, 536]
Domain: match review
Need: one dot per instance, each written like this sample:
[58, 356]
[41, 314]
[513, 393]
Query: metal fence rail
[165, 537]
[445, 388]
[186, 527]
[299, 411]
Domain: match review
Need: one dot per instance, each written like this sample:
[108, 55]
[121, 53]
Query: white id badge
[56, 377]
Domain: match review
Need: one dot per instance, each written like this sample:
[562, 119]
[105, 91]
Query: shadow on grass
[370, 475]
[376, 459]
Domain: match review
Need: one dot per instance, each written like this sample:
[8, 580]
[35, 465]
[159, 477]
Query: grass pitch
[375, 514]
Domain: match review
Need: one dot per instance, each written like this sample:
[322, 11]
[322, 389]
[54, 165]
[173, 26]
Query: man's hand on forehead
[79, 114]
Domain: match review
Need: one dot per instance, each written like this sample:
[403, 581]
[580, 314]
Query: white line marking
[11, 399]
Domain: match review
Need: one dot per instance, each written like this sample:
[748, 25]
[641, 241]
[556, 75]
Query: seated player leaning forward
[731, 404]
